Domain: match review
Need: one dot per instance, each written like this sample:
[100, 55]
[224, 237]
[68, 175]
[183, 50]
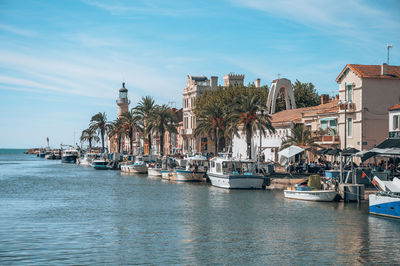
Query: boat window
[212, 164]
[219, 169]
[224, 165]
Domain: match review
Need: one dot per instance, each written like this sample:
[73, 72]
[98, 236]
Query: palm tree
[99, 123]
[131, 123]
[302, 137]
[162, 119]
[89, 135]
[144, 110]
[249, 113]
[116, 130]
[211, 122]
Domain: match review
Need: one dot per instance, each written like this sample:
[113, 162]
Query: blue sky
[63, 61]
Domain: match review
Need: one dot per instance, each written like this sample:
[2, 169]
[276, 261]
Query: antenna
[389, 46]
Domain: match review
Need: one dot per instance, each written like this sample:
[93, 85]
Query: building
[394, 121]
[318, 117]
[365, 94]
[173, 142]
[194, 87]
[236, 80]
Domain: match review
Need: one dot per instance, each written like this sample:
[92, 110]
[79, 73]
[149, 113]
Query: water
[53, 213]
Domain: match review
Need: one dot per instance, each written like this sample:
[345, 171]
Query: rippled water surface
[66, 214]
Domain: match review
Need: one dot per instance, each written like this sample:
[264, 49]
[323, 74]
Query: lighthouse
[123, 102]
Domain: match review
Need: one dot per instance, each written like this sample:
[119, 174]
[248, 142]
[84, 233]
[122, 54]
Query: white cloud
[18, 31]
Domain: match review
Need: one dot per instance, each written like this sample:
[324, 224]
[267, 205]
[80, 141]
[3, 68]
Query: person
[262, 157]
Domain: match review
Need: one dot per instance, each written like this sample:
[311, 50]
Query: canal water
[54, 213]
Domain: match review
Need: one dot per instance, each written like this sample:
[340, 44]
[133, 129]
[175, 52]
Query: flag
[363, 174]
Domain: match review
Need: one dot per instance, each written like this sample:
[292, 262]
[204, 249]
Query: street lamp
[345, 102]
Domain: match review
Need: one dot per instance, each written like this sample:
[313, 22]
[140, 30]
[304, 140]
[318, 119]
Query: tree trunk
[102, 141]
[216, 141]
[149, 138]
[162, 143]
[130, 141]
[248, 141]
[90, 145]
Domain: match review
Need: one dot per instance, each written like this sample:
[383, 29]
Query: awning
[389, 147]
[290, 151]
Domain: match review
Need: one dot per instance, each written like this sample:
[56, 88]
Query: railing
[327, 139]
[347, 106]
[123, 100]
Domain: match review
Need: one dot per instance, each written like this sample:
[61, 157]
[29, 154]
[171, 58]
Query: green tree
[161, 120]
[89, 135]
[302, 137]
[305, 94]
[98, 123]
[131, 123]
[144, 110]
[116, 130]
[248, 114]
[211, 122]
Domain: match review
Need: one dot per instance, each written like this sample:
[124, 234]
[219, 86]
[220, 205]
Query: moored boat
[138, 167]
[233, 173]
[69, 156]
[311, 190]
[86, 159]
[195, 169]
[100, 164]
[386, 201]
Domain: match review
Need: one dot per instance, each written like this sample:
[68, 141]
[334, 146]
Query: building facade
[365, 94]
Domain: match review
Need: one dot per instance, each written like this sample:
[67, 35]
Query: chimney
[214, 82]
[257, 83]
[324, 98]
[384, 69]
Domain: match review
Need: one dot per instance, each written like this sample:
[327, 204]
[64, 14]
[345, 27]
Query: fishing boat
[386, 201]
[227, 172]
[138, 167]
[195, 169]
[311, 191]
[154, 169]
[100, 164]
[69, 156]
[86, 159]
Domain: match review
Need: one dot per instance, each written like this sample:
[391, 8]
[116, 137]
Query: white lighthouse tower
[123, 102]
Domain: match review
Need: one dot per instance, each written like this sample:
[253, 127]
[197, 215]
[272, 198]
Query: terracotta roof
[295, 115]
[396, 107]
[372, 71]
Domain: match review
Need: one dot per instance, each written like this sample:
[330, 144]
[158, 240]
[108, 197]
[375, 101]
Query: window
[219, 169]
[349, 92]
[395, 122]
[349, 127]
[324, 124]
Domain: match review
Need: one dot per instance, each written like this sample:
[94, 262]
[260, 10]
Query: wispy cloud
[18, 31]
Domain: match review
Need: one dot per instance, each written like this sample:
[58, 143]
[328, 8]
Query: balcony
[327, 139]
[350, 107]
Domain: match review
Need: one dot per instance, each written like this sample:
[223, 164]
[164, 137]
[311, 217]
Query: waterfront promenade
[53, 213]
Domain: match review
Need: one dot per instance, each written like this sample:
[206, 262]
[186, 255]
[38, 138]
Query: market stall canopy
[290, 151]
[389, 147]
[349, 151]
[334, 152]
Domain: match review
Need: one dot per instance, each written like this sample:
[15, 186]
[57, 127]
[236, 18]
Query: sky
[63, 61]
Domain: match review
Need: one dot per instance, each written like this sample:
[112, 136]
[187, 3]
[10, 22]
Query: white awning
[290, 151]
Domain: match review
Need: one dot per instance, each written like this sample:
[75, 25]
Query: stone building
[394, 121]
[234, 80]
[366, 92]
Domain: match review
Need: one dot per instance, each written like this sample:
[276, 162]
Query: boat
[100, 164]
[227, 172]
[386, 201]
[195, 169]
[69, 156]
[86, 159]
[138, 167]
[311, 191]
[42, 153]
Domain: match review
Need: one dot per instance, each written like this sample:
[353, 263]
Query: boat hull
[316, 195]
[69, 159]
[236, 181]
[188, 176]
[384, 205]
[132, 169]
[154, 171]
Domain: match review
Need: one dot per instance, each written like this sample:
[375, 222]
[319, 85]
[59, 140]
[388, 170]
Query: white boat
[138, 167]
[87, 159]
[233, 173]
[311, 195]
[100, 164]
[69, 156]
[195, 170]
[386, 201]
